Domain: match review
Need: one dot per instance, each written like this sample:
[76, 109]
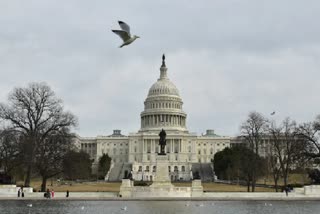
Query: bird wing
[124, 26]
[123, 34]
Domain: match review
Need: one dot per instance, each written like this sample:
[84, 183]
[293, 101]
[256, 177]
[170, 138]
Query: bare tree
[9, 150]
[285, 146]
[310, 133]
[51, 153]
[253, 130]
[36, 113]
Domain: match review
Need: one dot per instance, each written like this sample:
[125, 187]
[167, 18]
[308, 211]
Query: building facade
[187, 152]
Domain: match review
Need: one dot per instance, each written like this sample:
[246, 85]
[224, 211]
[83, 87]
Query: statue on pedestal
[162, 142]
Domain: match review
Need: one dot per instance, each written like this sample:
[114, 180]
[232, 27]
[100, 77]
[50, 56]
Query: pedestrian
[286, 189]
[48, 193]
[52, 193]
[22, 193]
[67, 194]
[19, 192]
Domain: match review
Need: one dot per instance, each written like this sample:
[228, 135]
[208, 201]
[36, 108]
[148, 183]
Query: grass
[293, 179]
[79, 186]
[115, 186]
[218, 187]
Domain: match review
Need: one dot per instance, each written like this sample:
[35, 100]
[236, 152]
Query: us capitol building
[188, 154]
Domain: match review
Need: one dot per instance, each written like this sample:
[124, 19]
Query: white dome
[163, 106]
[163, 87]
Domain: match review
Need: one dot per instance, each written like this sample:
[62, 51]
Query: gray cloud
[226, 58]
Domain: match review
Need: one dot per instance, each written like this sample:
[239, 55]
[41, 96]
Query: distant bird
[124, 208]
[82, 207]
[124, 34]
[29, 205]
[273, 113]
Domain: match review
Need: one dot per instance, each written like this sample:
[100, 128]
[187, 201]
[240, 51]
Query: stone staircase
[205, 171]
[117, 172]
[126, 169]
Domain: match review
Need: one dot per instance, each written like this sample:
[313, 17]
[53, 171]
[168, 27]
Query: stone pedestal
[196, 188]
[161, 186]
[126, 188]
[162, 178]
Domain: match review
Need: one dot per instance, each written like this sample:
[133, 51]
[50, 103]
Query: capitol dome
[163, 87]
[163, 106]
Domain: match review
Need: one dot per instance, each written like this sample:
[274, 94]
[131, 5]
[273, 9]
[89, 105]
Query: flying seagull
[273, 113]
[124, 34]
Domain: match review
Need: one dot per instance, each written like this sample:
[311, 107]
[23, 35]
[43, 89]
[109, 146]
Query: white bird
[29, 205]
[124, 208]
[124, 34]
[273, 113]
[82, 207]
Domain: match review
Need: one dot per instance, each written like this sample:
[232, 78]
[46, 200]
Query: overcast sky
[227, 58]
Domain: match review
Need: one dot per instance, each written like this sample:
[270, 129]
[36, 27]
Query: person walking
[22, 193]
[52, 193]
[67, 194]
[286, 189]
[48, 193]
[19, 192]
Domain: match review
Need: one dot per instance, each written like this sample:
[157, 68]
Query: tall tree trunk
[28, 177]
[275, 178]
[253, 182]
[44, 184]
[276, 185]
[253, 185]
[285, 180]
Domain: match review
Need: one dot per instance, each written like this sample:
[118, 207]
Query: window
[140, 168]
[147, 168]
[154, 169]
[169, 168]
[183, 169]
[176, 169]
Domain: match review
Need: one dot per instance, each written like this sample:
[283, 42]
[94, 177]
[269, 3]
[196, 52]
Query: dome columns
[163, 120]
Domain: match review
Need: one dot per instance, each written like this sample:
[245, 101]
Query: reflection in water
[154, 207]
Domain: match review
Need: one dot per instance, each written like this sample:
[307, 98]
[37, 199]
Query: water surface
[155, 207]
